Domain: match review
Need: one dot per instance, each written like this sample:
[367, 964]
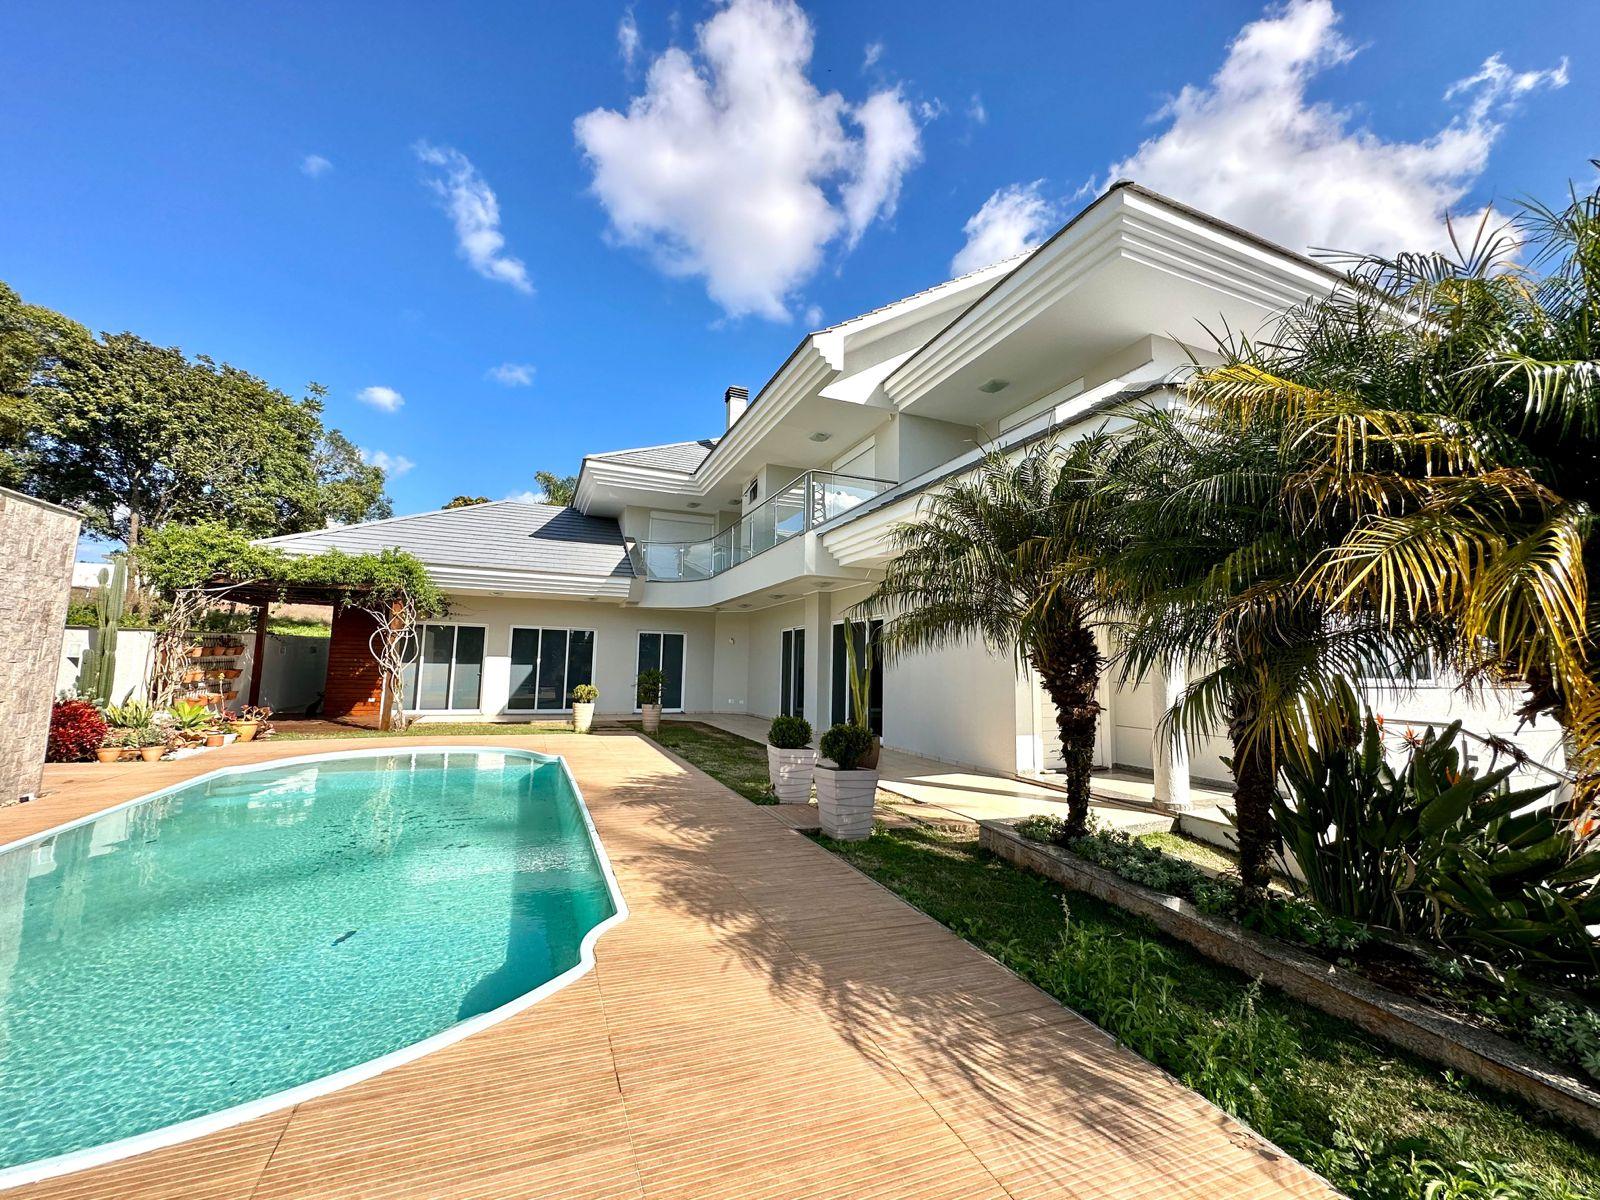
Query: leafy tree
[466, 502]
[1449, 405]
[557, 489]
[987, 556]
[30, 339]
[133, 435]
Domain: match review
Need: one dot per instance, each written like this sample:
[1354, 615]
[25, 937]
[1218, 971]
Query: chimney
[737, 399]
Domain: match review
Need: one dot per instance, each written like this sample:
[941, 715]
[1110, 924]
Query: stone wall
[37, 545]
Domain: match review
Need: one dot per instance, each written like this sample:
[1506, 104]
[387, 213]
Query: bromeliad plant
[1436, 850]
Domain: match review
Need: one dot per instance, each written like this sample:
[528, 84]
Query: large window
[792, 683]
[664, 652]
[546, 664]
[843, 701]
[446, 670]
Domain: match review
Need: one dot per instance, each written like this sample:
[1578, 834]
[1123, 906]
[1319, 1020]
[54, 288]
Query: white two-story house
[729, 561]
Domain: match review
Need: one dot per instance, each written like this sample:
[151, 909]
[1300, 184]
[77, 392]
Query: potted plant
[845, 786]
[649, 687]
[110, 750]
[790, 759]
[583, 698]
[858, 673]
[250, 720]
[152, 742]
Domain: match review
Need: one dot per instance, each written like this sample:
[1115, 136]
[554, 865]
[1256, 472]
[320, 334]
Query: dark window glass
[580, 659]
[433, 687]
[468, 674]
[786, 674]
[672, 668]
[524, 659]
[843, 700]
[553, 669]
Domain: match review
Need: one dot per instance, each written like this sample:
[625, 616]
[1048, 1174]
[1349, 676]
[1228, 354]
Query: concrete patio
[767, 1023]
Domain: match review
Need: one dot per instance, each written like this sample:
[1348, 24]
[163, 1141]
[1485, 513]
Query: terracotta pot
[152, 753]
[246, 730]
[195, 676]
[232, 672]
[214, 739]
[129, 754]
[108, 754]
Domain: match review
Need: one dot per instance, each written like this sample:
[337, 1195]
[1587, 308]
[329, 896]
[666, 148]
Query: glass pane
[469, 667]
[799, 672]
[785, 671]
[649, 656]
[408, 675]
[524, 658]
[433, 686]
[580, 659]
[553, 669]
[839, 711]
[672, 668]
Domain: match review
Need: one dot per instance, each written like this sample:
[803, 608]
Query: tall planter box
[844, 802]
[790, 772]
[650, 715]
[582, 716]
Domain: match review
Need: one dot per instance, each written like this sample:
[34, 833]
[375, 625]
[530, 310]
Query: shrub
[1568, 1034]
[846, 745]
[585, 693]
[77, 730]
[649, 687]
[789, 733]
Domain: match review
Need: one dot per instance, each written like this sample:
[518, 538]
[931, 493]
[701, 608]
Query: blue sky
[307, 190]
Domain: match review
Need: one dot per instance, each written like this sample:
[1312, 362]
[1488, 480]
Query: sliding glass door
[664, 652]
[546, 664]
[447, 671]
[844, 705]
[792, 674]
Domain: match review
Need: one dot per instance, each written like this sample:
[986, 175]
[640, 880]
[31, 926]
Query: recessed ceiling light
[777, 595]
[694, 504]
[994, 385]
[820, 437]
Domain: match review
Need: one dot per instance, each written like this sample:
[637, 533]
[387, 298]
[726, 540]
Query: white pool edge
[238, 1114]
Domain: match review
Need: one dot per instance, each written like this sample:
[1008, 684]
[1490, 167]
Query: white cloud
[475, 212]
[976, 112]
[1013, 219]
[392, 465]
[1250, 146]
[527, 497]
[733, 167]
[873, 54]
[315, 165]
[385, 399]
[628, 37]
[512, 374]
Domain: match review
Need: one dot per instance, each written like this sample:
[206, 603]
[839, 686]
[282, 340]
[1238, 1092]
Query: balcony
[811, 500]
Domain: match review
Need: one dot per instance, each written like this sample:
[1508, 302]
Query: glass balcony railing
[813, 499]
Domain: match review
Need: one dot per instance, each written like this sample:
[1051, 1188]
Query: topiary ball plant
[789, 733]
[585, 693]
[846, 745]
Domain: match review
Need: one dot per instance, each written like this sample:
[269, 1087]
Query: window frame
[450, 679]
[792, 700]
[640, 633]
[836, 664]
[566, 669]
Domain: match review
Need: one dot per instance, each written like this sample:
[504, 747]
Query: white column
[819, 637]
[1170, 757]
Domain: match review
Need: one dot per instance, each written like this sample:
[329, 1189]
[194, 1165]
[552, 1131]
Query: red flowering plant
[77, 730]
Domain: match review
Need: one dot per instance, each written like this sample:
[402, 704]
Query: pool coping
[238, 1114]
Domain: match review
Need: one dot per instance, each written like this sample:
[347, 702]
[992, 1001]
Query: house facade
[730, 562]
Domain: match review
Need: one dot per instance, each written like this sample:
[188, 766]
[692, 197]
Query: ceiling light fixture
[820, 437]
[694, 504]
[994, 385]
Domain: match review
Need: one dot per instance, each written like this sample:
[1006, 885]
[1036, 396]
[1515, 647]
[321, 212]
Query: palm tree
[1206, 578]
[986, 557]
[1450, 408]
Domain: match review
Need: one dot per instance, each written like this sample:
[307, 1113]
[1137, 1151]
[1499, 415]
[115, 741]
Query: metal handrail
[808, 495]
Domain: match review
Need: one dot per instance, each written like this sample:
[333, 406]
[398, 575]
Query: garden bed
[1441, 1037]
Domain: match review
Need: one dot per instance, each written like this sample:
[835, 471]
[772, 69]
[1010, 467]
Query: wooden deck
[768, 1023]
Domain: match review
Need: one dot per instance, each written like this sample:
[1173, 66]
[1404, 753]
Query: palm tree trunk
[1254, 785]
[1068, 664]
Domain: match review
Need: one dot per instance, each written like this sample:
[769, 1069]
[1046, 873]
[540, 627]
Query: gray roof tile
[503, 533]
[682, 457]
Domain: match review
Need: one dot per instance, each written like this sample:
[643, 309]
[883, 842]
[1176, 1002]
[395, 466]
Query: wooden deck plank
[768, 1024]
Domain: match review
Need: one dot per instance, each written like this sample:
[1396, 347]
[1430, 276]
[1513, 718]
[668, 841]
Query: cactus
[99, 666]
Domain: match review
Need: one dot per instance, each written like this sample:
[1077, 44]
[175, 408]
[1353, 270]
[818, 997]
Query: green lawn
[1378, 1123]
[737, 762]
[287, 733]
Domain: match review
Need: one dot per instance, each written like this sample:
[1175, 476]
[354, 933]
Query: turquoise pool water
[257, 931]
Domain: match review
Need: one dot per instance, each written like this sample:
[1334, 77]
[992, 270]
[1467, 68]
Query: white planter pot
[582, 716]
[790, 772]
[651, 714]
[844, 802]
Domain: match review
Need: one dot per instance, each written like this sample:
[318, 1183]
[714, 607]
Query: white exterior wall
[616, 648]
[135, 653]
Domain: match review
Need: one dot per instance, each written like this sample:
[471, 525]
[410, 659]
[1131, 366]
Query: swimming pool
[259, 935]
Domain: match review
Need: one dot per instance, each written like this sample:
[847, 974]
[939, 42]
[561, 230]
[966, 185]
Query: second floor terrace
[811, 500]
